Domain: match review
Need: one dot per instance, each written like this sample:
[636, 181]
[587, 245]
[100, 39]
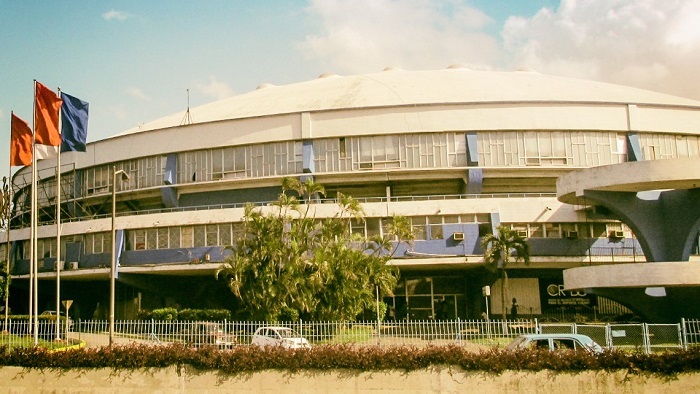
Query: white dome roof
[409, 88]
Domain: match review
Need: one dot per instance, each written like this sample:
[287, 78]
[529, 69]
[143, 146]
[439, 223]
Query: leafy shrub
[164, 314]
[247, 359]
[204, 314]
[185, 314]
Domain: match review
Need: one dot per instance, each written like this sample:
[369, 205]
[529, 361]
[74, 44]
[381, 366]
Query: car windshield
[52, 313]
[288, 333]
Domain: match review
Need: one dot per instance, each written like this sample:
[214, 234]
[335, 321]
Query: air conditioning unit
[56, 264]
[522, 233]
[458, 236]
[572, 234]
[617, 234]
[73, 265]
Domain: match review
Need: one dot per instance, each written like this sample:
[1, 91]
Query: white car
[63, 315]
[279, 336]
[555, 342]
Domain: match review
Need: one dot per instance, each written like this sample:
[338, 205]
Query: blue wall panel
[181, 255]
[307, 160]
[634, 148]
[472, 149]
[96, 260]
[475, 180]
[448, 245]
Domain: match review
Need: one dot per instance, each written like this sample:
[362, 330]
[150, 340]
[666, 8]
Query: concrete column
[665, 223]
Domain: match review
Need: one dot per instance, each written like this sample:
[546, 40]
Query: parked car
[555, 342]
[208, 334]
[63, 315]
[279, 336]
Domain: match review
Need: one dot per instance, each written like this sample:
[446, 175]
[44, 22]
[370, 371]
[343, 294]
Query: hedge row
[247, 359]
[186, 314]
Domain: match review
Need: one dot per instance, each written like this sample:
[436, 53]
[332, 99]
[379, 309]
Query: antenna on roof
[187, 119]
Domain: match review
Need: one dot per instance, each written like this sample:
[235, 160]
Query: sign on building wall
[554, 295]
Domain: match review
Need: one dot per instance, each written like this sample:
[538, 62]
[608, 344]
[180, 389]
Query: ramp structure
[660, 201]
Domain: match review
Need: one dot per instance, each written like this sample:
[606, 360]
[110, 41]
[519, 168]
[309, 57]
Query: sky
[135, 61]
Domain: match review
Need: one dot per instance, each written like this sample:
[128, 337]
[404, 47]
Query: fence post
[684, 340]
[458, 335]
[646, 339]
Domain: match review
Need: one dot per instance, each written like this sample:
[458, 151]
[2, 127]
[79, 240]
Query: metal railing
[364, 200]
[636, 336]
[479, 333]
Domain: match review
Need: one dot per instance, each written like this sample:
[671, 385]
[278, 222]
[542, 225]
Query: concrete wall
[439, 380]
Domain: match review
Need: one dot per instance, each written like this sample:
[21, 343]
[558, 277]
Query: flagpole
[58, 233]
[7, 248]
[34, 304]
[7, 251]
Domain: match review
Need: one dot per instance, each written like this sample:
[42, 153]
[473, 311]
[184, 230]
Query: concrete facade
[458, 151]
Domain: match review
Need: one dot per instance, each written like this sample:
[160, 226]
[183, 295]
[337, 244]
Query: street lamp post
[113, 265]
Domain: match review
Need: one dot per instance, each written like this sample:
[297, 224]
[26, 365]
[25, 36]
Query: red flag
[20, 142]
[47, 105]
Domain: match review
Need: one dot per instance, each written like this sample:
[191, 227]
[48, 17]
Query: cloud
[114, 14]
[369, 35]
[215, 88]
[648, 44]
[133, 91]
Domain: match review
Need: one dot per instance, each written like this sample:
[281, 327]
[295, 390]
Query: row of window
[572, 230]
[223, 234]
[427, 150]
[250, 161]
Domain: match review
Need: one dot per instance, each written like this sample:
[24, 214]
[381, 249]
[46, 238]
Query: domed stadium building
[457, 151]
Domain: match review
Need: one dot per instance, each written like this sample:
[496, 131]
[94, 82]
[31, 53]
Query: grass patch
[12, 341]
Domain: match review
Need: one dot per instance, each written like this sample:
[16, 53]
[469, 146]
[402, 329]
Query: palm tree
[500, 250]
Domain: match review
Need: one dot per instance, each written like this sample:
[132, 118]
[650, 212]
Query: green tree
[288, 260]
[4, 282]
[502, 249]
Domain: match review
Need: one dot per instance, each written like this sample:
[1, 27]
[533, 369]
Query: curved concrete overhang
[629, 177]
[639, 275]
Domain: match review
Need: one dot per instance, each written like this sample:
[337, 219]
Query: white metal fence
[234, 333]
[644, 337]
[641, 336]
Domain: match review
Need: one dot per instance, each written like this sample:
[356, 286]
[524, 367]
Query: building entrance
[429, 298]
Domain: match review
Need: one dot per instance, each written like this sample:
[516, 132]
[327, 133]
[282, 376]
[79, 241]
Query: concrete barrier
[435, 380]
